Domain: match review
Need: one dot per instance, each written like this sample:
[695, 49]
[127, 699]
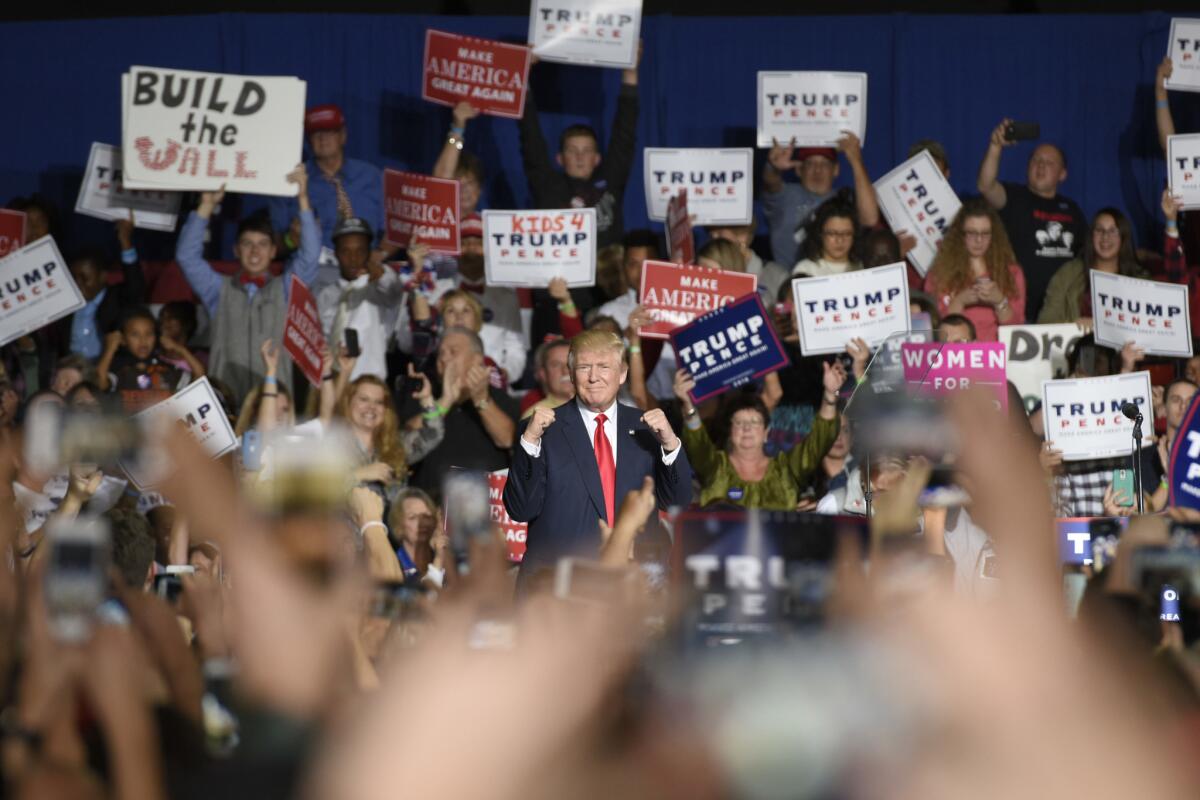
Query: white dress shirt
[370, 308]
[610, 430]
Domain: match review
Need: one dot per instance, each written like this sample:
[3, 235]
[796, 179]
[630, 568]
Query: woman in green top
[1108, 248]
[743, 475]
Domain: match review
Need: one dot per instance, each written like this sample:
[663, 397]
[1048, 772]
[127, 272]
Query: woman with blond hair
[976, 273]
[459, 309]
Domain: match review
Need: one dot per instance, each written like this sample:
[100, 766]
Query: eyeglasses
[977, 234]
[838, 234]
[1106, 232]
[746, 424]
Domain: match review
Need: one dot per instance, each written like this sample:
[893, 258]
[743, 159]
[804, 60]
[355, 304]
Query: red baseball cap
[324, 118]
[471, 226]
[803, 153]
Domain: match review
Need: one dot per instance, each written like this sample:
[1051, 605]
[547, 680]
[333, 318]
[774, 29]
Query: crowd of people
[325, 612]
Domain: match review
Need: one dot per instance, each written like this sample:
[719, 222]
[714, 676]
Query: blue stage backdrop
[1086, 79]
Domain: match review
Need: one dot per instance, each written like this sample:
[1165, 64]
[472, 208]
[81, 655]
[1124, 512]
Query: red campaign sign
[302, 334]
[12, 231]
[422, 207]
[675, 294]
[490, 75]
[679, 230]
[514, 532]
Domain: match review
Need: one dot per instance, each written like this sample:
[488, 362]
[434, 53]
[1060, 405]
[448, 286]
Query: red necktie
[608, 469]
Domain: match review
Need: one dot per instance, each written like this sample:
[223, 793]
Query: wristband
[372, 524]
[692, 423]
[1163, 484]
[487, 401]
[288, 241]
[832, 402]
[457, 131]
[1160, 103]
[326, 377]
[270, 394]
[567, 308]
[435, 411]
[635, 349]
[270, 379]
[129, 256]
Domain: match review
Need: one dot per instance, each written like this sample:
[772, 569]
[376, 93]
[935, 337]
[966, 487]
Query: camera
[76, 580]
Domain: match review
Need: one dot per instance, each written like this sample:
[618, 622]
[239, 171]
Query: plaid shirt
[1079, 488]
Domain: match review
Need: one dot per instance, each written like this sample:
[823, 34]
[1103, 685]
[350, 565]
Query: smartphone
[1022, 131]
[592, 582]
[251, 451]
[467, 506]
[350, 338]
[168, 586]
[76, 580]
[1122, 484]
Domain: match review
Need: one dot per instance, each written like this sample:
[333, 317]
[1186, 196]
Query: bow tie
[258, 280]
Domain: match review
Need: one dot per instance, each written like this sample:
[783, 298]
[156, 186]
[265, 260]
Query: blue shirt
[786, 211]
[363, 183]
[85, 337]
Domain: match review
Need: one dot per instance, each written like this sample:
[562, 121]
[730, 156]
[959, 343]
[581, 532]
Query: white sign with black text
[1151, 314]
[833, 309]
[529, 248]
[1037, 353]
[1183, 48]
[719, 183]
[811, 108]
[1082, 416]
[199, 410]
[916, 198]
[36, 288]
[1183, 168]
[103, 195]
[601, 33]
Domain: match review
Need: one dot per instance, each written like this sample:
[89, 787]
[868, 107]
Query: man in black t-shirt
[1046, 229]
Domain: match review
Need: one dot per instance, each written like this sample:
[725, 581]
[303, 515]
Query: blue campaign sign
[727, 347]
[1184, 470]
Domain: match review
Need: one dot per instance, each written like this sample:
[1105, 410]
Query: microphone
[1131, 410]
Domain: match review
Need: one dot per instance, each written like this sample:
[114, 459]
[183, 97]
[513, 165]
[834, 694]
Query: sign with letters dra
[1037, 353]
[719, 183]
[1151, 313]
[813, 108]
[422, 208]
[198, 408]
[941, 369]
[12, 231]
[1183, 168]
[1082, 416]
[36, 288]
[528, 248]
[490, 75]
[602, 33]
[1183, 48]
[199, 131]
[833, 309]
[915, 197]
[302, 334]
[103, 194]
[1184, 470]
[728, 347]
[514, 532]
[675, 294]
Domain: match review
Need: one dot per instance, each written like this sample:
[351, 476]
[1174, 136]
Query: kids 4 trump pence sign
[199, 131]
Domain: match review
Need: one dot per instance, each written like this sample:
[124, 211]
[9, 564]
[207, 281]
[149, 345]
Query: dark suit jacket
[559, 493]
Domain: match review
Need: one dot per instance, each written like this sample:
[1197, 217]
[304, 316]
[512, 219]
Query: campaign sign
[197, 407]
[1152, 314]
[302, 334]
[1089, 540]
[1037, 353]
[602, 33]
[675, 294]
[199, 131]
[812, 108]
[36, 288]
[941, 369]
[12, 231]
[719, 183]
[1183, 48]
[514, 532]
[492, 76]
[748, 574]
[1082, 416]
[728, 347]
[681, 244]
[915, 197]
[833, 309]
[423, 208]
[1184, 468]
[103, 194]
[528, 248]
[1183, 168]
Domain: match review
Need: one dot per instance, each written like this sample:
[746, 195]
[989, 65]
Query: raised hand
[998, 138]
[270, 356]
[1171, 205]
[125, 231]
[782, 156]
[849, 144]
[656, 421]
[424, 395]
[684, 383]
[542, 418]
[463, 112]
[558, 289]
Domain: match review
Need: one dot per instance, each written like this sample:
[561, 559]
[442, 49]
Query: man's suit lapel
[585, 456]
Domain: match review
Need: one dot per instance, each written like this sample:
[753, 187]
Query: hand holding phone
[1022, 131]
[350, 337]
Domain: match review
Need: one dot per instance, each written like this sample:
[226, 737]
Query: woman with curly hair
[830, 241]
[976, 274]
[385, 451]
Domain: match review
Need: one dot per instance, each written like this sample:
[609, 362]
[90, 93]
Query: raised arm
[189, 252]
[447, 161]
[268, 405]
[133, 287]
[1162, 108]
[864, 191]
[539, 169]
[622, 145]
[987, 183]
[304, 262]
[525, 490]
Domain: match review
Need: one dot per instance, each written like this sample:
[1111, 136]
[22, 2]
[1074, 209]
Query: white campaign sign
[719, 183]
[1183, 168]
[36, 288]
[197, 131]
[198, 408]
[814, 108]
[1152, 314]
[528, 248]
[1037, 353]
[915, 197]
[1083, 419]
[833, 309]
[1183, 48]
[103, 196]
[602, 33]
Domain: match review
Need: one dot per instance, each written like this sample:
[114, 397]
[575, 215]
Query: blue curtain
[1085, 79]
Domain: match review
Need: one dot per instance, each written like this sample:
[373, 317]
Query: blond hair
[463, 294]
[593, 341]
[725, 253]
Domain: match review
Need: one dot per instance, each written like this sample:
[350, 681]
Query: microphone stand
[1137, 463]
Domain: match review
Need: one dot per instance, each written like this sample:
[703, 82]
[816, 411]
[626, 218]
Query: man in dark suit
[574, 464]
